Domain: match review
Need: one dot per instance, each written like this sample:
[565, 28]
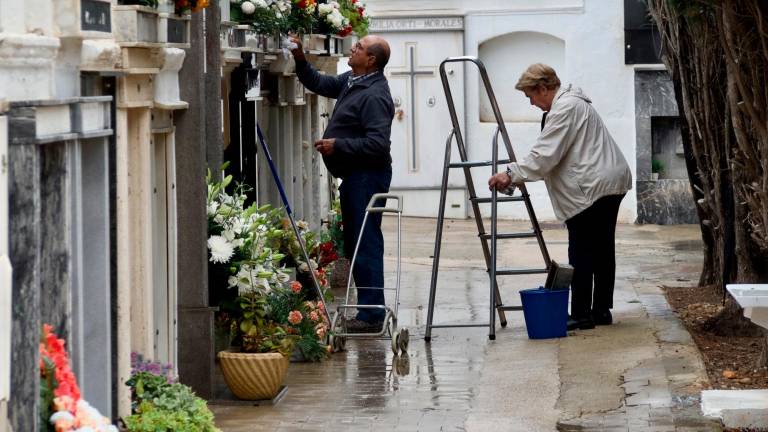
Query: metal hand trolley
[399, 337]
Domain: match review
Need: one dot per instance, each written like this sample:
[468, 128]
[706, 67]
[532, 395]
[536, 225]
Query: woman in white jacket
[586, 176]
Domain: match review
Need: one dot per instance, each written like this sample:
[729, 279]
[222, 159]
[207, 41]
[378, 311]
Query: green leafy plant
[162, 406]
[657, 166]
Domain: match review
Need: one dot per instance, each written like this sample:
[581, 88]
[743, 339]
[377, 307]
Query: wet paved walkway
[640, 374]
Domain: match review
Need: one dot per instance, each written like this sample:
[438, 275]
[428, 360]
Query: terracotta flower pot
[253, 376]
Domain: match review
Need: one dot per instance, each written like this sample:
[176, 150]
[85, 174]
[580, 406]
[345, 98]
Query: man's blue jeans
[356, 191]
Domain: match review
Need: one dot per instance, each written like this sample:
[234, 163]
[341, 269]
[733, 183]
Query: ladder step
[498, 199]
[509, 308]
[509, 235]
[473, 164]
[509, 272]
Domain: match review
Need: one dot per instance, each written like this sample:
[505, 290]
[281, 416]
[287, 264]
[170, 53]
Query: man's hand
[500, 181]
[298, 52]
[325, 146]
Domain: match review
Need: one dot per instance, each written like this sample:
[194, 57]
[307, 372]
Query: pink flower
[296, 286]
[313, 316]
[294, 317]
[320, 331]
[321, 305]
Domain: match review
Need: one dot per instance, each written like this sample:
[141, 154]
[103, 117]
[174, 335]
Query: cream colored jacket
[575, 156]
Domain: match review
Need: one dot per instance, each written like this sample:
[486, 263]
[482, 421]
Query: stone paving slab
[640, 374]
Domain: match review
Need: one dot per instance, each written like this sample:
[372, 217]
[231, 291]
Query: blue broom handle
[273, 169]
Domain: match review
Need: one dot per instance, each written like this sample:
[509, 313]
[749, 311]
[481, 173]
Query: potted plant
[657, 167]
[253, 291]
[160, 403]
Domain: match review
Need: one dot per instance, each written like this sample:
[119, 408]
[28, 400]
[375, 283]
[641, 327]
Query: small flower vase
[166, 6]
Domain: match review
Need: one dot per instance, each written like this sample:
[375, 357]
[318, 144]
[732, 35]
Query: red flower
[54, 349]
[345, 31]
[296, 287]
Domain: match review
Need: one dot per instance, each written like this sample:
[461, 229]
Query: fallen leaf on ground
[729, 374]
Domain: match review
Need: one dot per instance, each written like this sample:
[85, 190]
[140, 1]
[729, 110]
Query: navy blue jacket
[361, 121]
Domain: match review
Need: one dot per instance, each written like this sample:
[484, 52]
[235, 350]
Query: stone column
[195, 325]
[25, 225]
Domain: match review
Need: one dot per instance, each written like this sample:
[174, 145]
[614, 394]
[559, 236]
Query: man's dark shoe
[355, 325]
[580, 323]
[602, 317]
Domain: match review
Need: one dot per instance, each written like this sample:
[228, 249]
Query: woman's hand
[500, 182]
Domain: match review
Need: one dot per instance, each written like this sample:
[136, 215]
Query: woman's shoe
[602, 317]
[581, 323]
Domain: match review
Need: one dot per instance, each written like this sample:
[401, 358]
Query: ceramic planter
[253, 376]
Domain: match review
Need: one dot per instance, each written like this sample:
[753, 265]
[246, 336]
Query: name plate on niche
[444, 23]
[177, 31]
[95, 15]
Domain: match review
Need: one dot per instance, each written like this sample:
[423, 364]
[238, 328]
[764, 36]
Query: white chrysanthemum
[219, 218]
[221, 249]
[260, 4]
[248, 8]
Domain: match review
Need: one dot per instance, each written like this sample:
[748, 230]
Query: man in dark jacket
[355, 148]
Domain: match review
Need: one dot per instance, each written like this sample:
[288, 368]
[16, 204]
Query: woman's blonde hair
[538, 74]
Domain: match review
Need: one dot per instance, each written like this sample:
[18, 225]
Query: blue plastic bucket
[546, 312]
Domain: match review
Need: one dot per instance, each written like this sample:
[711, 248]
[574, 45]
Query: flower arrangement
[159, 403]
[335, 231]
[331, 20]
[357, 16]
[61, 404]
[265, 16]
[302, 17]
[248, 242]
[184, 6]
[139, 364]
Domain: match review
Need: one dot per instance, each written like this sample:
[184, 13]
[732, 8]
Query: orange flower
[295, 317]
[201, 4]
[296, 287]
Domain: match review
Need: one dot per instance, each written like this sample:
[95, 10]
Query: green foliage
[159, 406]
[47, 385]
[657, 166]
[305, 334]
[357, 20]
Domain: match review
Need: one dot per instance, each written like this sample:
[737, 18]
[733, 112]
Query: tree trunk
[717, 55]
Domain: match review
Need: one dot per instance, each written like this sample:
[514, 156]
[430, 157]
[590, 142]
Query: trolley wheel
[395, 343]
[338, 343]
[402, 340]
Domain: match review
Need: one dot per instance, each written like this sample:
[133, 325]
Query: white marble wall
[592, 35]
